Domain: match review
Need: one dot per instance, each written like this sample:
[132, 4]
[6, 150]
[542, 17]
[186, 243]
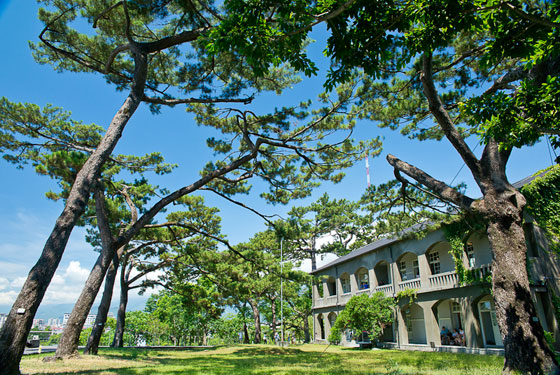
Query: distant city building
[90, 320]
[54, 323]
[38, 324]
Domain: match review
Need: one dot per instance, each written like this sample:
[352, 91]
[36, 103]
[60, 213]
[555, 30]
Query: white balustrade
[444, 280]
[410, 284]
[386, 289]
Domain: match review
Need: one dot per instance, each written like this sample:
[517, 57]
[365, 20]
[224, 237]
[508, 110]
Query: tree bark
[70, 338]
[17, 326]
[92, 345]
[502, 206]
[257, 319]
[245, 334]
[523, 337]
[307, 335]
[118, 341]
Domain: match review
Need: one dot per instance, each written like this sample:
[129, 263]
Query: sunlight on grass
[268, 359]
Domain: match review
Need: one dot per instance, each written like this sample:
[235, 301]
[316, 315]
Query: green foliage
[456, 233]
[550, 340]
[364, 313]
[408, 294]
[54, 339]
[84, 334]
[543, 203]
[391, 209]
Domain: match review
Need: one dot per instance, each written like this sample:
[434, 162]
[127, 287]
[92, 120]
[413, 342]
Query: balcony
[362, 291]
[386, 289]
[445, 280]
[483, 271]
[410, 284]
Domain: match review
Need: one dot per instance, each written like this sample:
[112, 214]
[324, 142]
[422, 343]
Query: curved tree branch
[443, 119]
[441, 189]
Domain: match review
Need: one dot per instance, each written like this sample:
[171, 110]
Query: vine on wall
[543, 203]
[456, 232]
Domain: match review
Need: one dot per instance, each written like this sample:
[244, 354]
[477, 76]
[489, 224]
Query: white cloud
[66, 284]
[75, 273]
[18, 282]
[8, 298]
[4, 283]
[306, 264]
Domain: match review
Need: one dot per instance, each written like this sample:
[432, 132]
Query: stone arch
[415, 326]
[408, 266]
[439, 258]
[331, 319]
[485, 313]
[320, 327]
[362, 278]
[382, 272]
[449, 317]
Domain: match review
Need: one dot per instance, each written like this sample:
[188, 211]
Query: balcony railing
[444, 280]
[362, 291]
[483, 271]
[410, 284]
[387, 289]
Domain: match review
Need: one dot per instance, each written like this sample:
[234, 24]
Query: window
[433, 260]
[455, 307]
[402, 269]
[363, 280]
[469, 249]
[415, 269]
[345, 282]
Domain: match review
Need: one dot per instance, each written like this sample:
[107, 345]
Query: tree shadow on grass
[251, 360]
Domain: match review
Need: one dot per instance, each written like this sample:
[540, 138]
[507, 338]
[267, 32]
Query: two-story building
[426, 265]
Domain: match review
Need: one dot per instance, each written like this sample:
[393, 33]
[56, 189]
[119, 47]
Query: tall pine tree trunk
[121, 316]
[245, 334]
[13, 335]
[92, 345]
[523, 335]
[306, 333]
[257, 319]
[70, 338]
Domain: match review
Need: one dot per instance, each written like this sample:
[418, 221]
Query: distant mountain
[58, 310]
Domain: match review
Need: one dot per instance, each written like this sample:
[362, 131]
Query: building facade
[426, 265]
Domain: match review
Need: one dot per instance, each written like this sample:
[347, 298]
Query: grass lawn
[267, 359]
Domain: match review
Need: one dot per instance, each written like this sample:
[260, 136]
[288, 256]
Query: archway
[413, 316]
[382, 273]
[321, 327]
[487, 316]
[362, 278]
[331, 319]
[451, 322]
[408, 266]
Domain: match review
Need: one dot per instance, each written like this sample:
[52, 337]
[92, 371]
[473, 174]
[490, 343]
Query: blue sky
[26, 216]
